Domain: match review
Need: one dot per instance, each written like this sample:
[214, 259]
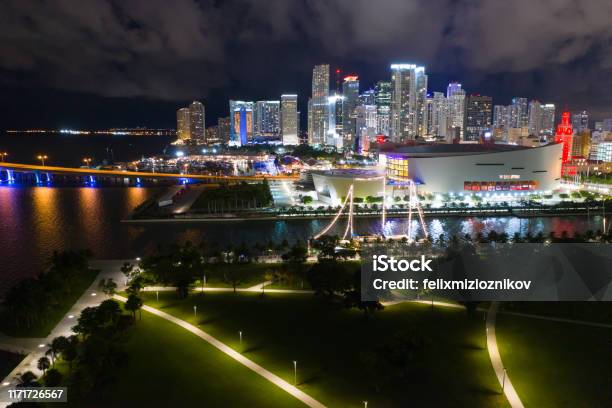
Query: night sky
[101, 64]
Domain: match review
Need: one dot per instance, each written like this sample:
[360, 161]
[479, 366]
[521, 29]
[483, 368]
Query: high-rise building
[408, 101]
[438, 115]
[334, 133]
[350, 92]
[318, 107]
[197, 122]
[289, 119]
[501, 116]
[267, 118]
[607, 125]
[581, 145]
[535, 117]
[580, 121]
[382, 99]
[519, 113]
[183, 124]
[548, 119]
[242, 126]
[365, 127]
[478, 110]
[368, 97]
[455, 95]
[223, 130]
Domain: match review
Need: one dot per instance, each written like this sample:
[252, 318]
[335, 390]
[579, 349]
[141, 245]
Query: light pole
[195, 311]
[42, 158]
[3, 155]
[157, 294]
[87, 161]
[240, 334]
[365, 404]
[295, 372]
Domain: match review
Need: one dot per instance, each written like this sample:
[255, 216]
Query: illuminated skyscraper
[334, 133]
[478, 110]
[536, 114]
[197, 123]
[350, 92]
[382, 99]
[438, 116]
[183, 124]
[408, 100]
[455, 95]
[501, 116]
[548, 119]
[223, 129]
[241, 122]
[289, 119]
[519, 113]
[267, 118]
[319, 104]
[365, 127]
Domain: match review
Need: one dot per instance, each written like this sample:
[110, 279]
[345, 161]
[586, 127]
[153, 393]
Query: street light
[42, 158]
[365, 404]
[87, 161]
[294, 372]
[3, 155]
[195, 310]
[240, 334]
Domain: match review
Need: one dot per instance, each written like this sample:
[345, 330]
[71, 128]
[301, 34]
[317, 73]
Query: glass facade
[397, 168]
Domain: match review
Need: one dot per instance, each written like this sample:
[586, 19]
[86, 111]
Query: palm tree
[133, 304]
[43, 364]
[56, 347]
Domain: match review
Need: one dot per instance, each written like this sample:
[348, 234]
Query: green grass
[590, 311]
[8, 361]
[328, 343]
[252, 274]
[554, 364]
[171, 367]
[43, 328]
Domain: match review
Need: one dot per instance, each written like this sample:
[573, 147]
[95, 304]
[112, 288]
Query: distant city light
[179, 153]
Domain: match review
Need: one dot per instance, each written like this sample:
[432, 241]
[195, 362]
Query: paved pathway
[36, 347]
[496, 361]
[273, 378]
[256, 288]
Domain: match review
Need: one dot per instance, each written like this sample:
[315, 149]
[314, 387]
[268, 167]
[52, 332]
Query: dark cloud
[557, 50]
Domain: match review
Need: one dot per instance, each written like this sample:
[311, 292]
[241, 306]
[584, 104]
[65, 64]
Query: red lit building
[565, 135]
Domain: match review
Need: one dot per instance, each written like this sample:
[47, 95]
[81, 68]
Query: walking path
[256, 288]
[36, 348]
[273, 378]
[496, 361]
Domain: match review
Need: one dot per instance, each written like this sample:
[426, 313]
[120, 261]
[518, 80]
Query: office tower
[211, 135]
[334, 133]
[368, 97]
[196, 118]
[310, 124]
[581, 145]
[382, 99]
[548, 119]
[603, 152]
[453, 88]
[241, 122]
[183, 124]
[408, 100]
[289, 119]
[580, 121]
[519, 113]
[598, 126]
[350, 92]
[365, 127]
[607, 125]
[478, 110]
[319, 104]
[267, 118]
[536, 113]
[223, 130]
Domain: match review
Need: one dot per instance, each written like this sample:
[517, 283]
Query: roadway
[28, 168]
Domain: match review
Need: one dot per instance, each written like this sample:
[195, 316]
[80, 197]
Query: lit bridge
[44, 174]
[347, 209]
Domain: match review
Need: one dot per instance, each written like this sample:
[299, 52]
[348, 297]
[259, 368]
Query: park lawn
[555, 364]
[8, 361]
[43, 328]
[328, 344]
[171, 367]
[251, 274]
